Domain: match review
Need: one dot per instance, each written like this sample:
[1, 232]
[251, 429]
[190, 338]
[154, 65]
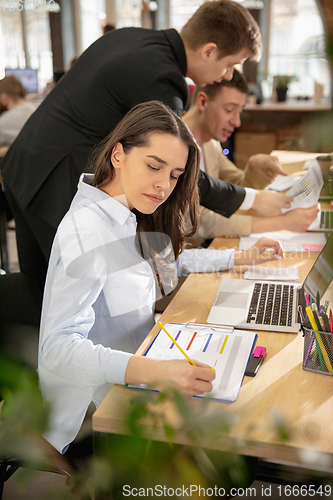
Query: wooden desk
[304, 398]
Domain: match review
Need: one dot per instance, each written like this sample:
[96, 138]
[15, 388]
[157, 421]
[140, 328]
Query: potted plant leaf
[281, 83]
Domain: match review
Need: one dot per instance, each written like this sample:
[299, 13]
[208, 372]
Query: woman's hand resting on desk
[188, 379]
[264, 250]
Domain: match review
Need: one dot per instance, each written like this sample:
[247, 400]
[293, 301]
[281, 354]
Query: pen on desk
[177, 345]
[307, 300]
[325, 338]
[306, 357]
[311, 317]
[300, 312]
[326, 327]
[315, 315]
[325, 321]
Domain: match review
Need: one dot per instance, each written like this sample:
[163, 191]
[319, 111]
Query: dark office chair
[54, 462]
[21, 303]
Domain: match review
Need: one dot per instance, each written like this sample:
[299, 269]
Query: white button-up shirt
[98, 304]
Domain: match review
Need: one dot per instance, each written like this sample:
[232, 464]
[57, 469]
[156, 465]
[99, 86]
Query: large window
[181, 11]
[128, 13]
[25, 39]
[297, 45]
[92, 15]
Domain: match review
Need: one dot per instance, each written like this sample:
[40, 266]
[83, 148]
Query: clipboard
[226, 349]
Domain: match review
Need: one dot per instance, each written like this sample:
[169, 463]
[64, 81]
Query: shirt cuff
[116, 369]
[248, 201]
[231, 260]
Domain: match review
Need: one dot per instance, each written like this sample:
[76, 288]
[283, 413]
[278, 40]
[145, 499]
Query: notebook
[225, 349]
[271, 273]
[269, 305]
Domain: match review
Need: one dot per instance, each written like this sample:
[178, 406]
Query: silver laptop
[323, 222]
[271, 305]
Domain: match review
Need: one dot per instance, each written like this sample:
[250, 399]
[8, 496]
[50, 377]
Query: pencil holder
[318, 351]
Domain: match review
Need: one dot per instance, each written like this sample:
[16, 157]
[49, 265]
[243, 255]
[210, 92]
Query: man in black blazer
[121, 69]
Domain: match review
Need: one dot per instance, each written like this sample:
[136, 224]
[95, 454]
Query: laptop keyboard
[271, 304]
[326, 219]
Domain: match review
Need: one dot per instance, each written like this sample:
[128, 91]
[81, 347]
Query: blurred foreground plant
[133, 459]
[24, 416]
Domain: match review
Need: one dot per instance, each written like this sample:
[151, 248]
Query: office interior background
[47, 34]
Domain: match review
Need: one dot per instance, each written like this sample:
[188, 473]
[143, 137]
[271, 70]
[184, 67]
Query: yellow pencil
[177, 345]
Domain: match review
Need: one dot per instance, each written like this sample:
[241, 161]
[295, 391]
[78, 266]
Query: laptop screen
[321, 274]
[27, 76]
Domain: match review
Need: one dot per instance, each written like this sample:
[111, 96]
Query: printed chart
[224, 349]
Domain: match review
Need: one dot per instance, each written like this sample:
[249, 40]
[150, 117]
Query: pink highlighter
[255, 361]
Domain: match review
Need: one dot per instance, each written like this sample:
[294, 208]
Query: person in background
[15, 110]
[119, 246]
[119, 70]
[214, 114]
[108, 27]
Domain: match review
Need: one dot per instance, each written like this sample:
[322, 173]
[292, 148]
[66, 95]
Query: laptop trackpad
[235, 299]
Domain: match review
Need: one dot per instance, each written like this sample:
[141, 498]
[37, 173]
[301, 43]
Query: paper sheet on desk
[291, 242]
[268, 273]
[306, 190]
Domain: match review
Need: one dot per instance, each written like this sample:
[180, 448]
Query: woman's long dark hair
[134, 131]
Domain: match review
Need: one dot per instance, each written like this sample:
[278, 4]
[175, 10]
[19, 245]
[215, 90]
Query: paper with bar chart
[224, 349]
[306, 190]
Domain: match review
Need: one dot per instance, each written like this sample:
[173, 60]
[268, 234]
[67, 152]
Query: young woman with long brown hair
[118, 247]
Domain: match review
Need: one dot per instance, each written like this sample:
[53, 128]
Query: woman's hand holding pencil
[179, 373]
[189, 376]
[188, 379]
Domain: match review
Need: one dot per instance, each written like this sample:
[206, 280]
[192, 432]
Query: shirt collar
[178, 48]
[117, 210]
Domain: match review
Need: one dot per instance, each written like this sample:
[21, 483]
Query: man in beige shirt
[213, 116]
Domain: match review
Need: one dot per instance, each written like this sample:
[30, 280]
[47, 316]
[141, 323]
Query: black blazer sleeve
[220, 196]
